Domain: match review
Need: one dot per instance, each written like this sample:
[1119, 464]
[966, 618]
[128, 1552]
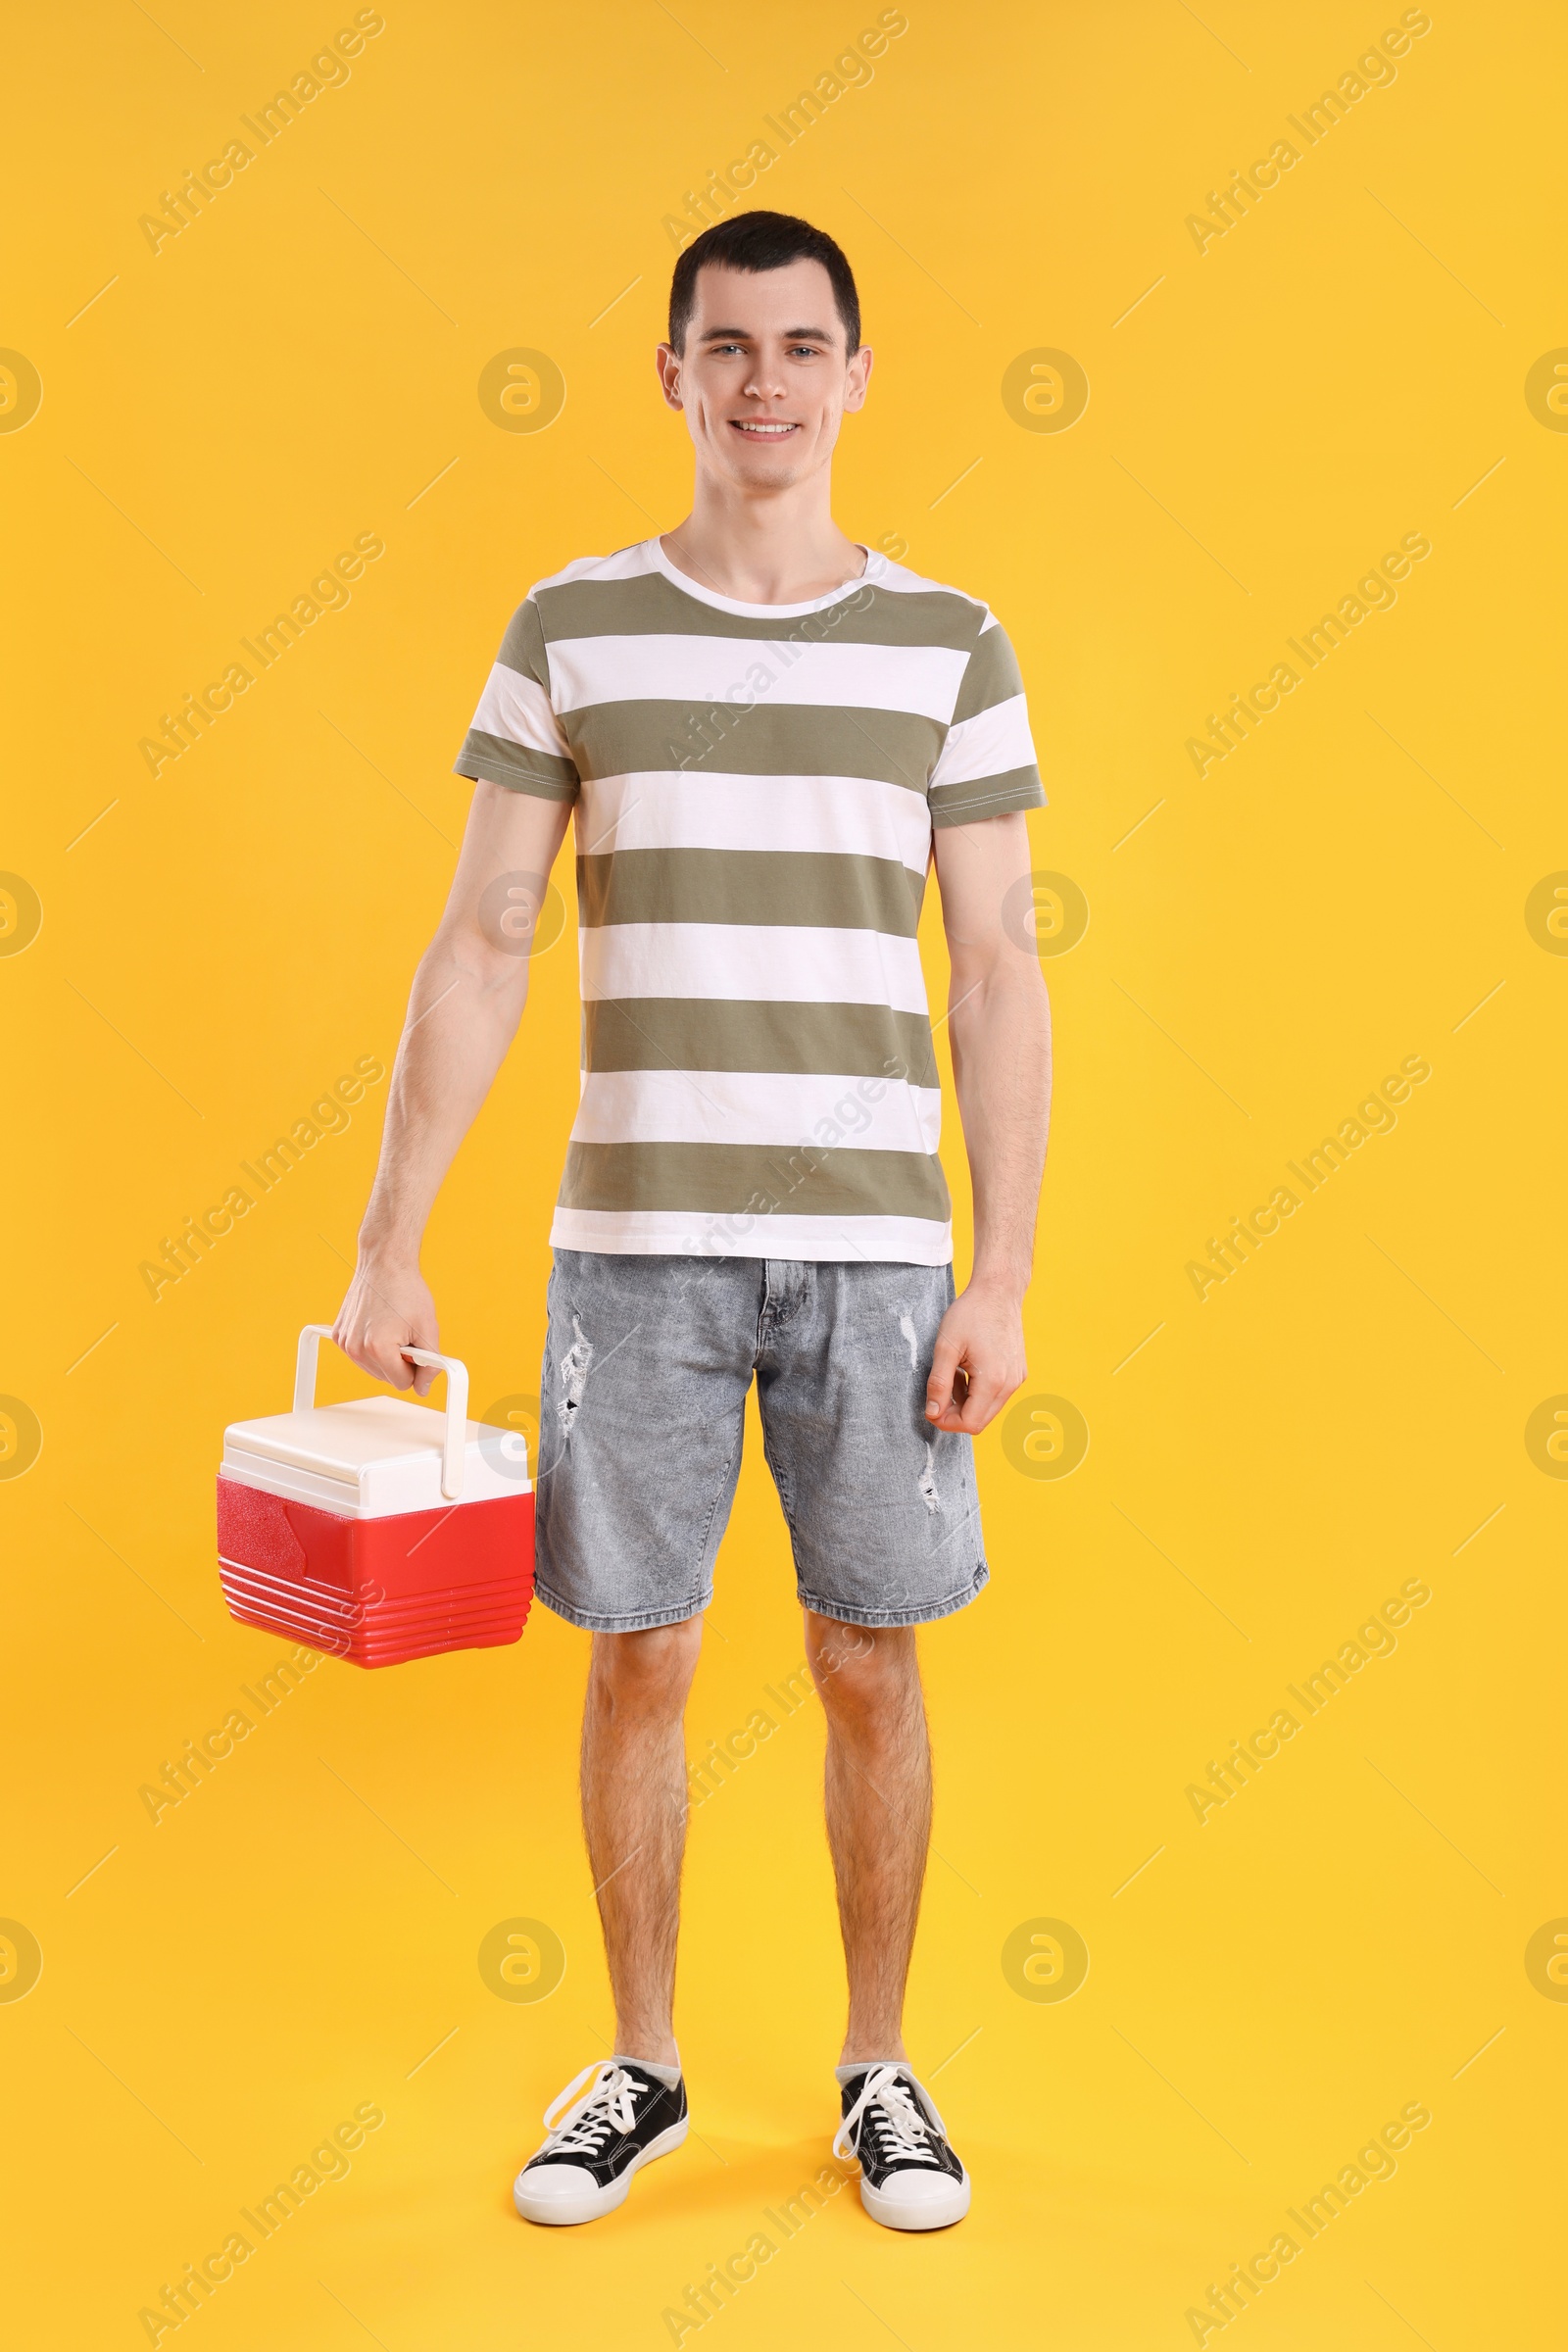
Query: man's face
[763, 382]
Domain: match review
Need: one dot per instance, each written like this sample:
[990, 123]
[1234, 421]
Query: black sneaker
[909, 2177]
[595, 2142]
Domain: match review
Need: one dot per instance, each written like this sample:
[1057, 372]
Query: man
[767, 734]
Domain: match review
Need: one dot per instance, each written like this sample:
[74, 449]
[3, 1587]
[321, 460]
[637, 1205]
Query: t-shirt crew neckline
[874, 565]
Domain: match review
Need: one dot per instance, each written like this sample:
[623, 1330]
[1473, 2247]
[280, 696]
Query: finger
[425, 1337]
[383, 1353]
[980, 1405]
[973, 1402]
[939, 1387]
[352, 1334]
[989, 1392]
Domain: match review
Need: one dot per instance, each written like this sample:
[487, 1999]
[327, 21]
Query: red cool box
[381, 1529]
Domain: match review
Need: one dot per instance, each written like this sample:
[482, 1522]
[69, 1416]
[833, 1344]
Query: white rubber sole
[588, 2204]
[918, 2213]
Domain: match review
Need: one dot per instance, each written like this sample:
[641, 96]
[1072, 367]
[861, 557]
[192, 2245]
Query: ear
[668, 364]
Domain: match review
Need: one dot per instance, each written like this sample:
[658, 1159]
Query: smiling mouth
[762, 429]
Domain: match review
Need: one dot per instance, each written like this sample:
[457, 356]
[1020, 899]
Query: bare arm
[468, 998]
[999, 1026]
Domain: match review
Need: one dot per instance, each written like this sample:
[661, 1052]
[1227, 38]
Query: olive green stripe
[516, 766]
[653, 607]
[523, 647]
[736, 1179]
[808, 887]
[992, 676]
[770, 739]
[987, 795]
[705, 1033]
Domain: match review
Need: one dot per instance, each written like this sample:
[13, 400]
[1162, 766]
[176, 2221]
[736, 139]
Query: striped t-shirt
[755, 789]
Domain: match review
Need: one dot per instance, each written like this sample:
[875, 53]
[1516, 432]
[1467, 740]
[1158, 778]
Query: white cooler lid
[372, 1458]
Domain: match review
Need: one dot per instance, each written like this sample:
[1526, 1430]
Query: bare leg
[879, 1805]
[634, 1819]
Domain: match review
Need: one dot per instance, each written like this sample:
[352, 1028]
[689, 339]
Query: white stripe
[742, 673]
[990, 744]
[518, 709]
[642, 1233]
[778, 963]
[626, 563]
[782, 1109]
[902, 581]
[851, 816]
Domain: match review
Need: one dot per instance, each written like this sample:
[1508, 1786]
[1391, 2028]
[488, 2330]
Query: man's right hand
[388, 1310]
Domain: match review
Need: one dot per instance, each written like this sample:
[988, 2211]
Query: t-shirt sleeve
[987, 765]
[516, 739]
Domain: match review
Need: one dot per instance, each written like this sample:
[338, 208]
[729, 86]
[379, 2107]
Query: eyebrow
[742, 334]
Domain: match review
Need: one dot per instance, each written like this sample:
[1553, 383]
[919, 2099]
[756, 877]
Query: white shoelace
[903, 2135]
[608, 2107]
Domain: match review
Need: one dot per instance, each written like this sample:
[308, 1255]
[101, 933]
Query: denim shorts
[647, 1364]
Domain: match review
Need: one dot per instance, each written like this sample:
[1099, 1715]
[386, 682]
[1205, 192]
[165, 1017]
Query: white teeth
[769, 432]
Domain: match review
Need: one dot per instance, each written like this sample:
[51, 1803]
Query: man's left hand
[978, 1363]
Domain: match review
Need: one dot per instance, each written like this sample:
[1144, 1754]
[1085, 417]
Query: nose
[762, 383]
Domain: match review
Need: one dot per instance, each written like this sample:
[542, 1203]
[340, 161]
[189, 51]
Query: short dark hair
[758, 241]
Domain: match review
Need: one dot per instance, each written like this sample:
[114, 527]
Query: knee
[649, 1671]
[863, 1673]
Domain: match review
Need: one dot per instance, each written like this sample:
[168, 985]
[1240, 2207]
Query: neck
[779, 547]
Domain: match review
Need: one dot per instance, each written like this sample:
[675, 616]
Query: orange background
[1266, 941]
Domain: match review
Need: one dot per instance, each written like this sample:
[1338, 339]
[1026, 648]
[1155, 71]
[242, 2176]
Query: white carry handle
[455, 1449]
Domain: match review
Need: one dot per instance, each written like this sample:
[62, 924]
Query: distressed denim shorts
[647, 1360]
